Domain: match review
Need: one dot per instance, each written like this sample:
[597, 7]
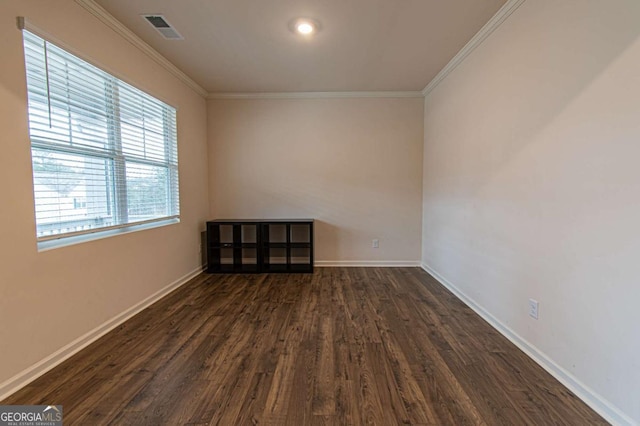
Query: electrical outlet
[533, 308]
[376, 243]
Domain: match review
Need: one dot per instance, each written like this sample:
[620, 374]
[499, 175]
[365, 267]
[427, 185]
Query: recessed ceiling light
[304, 26]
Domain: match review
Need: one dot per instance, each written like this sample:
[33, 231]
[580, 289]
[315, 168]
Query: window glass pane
[67, 104]
[72, 193]
[143, 125]
[147, 192]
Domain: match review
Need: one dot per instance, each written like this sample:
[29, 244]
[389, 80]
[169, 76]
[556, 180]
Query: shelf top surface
[260, 221]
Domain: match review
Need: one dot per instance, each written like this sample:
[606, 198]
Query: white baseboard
[599, 404]
[367, 263]
[28, 375]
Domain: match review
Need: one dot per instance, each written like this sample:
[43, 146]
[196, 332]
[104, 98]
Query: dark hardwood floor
[343, 346]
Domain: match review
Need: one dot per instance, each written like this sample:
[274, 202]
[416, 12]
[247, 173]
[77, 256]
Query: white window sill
[98, 235]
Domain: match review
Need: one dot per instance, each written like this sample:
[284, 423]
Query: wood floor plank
[324, 403]
[341, 346]
[386, 385]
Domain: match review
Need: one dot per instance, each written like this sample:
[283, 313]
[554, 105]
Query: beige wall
[532, 186]
[353, 164]
[50, 298]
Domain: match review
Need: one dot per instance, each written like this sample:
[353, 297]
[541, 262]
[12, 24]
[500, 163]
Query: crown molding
[501, 15]
[99, 12]
[313, 95]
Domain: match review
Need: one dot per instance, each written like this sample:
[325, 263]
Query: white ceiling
[364, 45]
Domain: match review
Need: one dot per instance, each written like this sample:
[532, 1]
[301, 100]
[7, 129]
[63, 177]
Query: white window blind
[104, 153]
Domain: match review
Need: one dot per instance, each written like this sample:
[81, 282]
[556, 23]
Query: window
[104, 153]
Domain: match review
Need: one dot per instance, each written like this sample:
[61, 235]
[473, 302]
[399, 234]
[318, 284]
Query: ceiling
[364, 45]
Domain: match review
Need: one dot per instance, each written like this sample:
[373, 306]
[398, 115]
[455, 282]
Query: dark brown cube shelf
[260, 245]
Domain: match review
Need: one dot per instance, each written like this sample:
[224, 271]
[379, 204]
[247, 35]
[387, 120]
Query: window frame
[119, 159]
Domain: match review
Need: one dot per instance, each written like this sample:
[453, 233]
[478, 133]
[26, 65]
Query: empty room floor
[342, 346]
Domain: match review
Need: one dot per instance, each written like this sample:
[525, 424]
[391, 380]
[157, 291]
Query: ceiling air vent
[160, 23]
